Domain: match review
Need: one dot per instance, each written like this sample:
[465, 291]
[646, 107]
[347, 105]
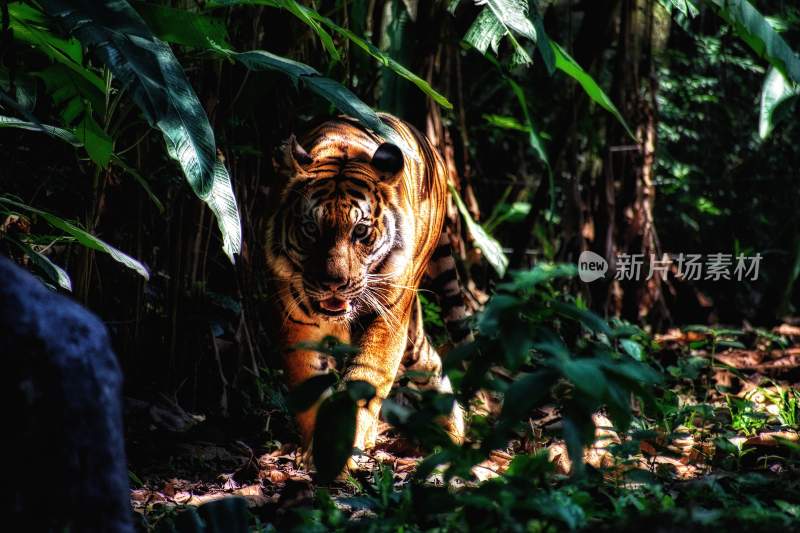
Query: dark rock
[66, 467]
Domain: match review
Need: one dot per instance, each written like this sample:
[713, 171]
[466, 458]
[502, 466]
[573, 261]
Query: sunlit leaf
[59, 133]
[502, 18]
[632, 348]
[686, 7]
[566, 64]
[506, 122]
[148, 69]
[55, 273]
[486, 243]
[82, 236]
[776, 90]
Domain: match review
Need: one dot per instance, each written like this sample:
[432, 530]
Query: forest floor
[729, 433]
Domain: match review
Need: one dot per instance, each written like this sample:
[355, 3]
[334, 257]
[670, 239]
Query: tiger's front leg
[382, 349]
[300, 365]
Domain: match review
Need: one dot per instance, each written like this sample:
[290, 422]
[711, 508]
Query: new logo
[591, 266]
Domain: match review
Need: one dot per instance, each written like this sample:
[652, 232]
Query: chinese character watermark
[689, 267]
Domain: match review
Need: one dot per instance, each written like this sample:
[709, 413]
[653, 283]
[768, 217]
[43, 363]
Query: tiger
[355, 226]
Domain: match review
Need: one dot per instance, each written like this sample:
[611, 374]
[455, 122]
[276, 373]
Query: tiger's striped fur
[356, 226]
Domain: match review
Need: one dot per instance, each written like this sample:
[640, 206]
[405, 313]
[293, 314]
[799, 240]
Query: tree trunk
[625, 191]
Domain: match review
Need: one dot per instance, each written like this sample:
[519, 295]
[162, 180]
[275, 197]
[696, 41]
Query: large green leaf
[502, 18]
[775, 91]
[30, 25]
[59, 133]
[70, 137]
[148, 69]
[82, 236]
[686, 7]
[55, 273]
[486, 243]
[569, 66]
[757, 32]
[306, 14]
[337, 94]
[97, 142]
[180, 26]
[309, 392]
[334, 435]
[308, 17]
[25, 93]
[70, 93]
[542, 40]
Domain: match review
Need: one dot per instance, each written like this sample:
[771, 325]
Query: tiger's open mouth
[332, 306]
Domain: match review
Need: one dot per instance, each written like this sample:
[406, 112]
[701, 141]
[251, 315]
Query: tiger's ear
[290, 158]
[388, 158]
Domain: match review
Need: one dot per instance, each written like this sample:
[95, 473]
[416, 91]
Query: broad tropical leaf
[82, 236]
[30, 25]
[566, 64]
[337, 94]
[686, 7]
[502, 18]
[25, 94]
[488, 245]
[179, 26]
[306, 14]
[59, 133]
[55, 273]
[97, 142]
[334, 435]
[148, 69]
[775, 91]
[542, 40]
[757, 32]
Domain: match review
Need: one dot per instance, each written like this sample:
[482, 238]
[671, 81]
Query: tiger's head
[336, 239]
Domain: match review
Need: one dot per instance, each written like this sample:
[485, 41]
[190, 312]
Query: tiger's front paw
[366, 429]
[454, 425]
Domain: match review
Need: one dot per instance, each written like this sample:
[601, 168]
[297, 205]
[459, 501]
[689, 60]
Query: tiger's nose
[334, 283]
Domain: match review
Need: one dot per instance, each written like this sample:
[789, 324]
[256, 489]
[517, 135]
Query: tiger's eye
[309, 228]
[360, 231]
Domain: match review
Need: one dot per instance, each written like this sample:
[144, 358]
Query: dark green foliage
[531, 107]
[336, 428]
